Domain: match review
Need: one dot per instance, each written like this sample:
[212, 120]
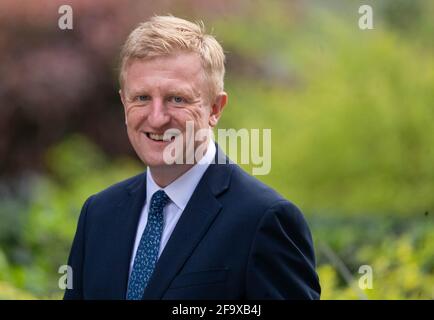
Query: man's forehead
[169, 74]
[188, 63]
[163, 86]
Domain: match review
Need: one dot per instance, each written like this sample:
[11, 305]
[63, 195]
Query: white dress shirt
[179, 192]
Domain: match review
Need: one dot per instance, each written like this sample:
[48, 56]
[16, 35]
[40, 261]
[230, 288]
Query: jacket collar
[201, 210]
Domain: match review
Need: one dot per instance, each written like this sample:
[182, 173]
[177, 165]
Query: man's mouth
[159, 137]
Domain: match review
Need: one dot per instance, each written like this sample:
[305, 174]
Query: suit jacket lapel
[195, 221]
[125, 228]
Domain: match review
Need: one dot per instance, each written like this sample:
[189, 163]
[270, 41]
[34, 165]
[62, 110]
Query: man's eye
[177, 99]
[142, 98]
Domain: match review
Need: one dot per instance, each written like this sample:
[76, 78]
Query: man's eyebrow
[184, 92]
[174, 91]
[137, 90]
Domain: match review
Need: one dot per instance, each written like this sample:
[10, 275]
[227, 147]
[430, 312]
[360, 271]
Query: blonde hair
[163, 35]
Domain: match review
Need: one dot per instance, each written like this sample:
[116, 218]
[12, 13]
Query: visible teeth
[154, 136]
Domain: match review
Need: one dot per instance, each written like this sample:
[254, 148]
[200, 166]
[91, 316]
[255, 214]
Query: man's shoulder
[252, 201]
[251, 190]
[121, 188]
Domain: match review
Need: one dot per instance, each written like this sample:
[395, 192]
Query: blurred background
[351, 113]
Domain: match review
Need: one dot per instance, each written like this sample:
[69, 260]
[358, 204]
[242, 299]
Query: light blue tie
[147, 251]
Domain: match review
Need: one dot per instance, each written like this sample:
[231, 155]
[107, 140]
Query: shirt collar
[181, 190]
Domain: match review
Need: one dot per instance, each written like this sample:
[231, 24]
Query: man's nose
[158, 116]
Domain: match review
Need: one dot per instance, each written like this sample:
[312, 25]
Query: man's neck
[166, 174]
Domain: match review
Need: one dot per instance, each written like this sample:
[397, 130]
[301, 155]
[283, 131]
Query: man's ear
[125, 106]
[217, 108]
[122, 96]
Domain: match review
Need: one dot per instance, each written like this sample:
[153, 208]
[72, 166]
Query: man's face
[164, 93]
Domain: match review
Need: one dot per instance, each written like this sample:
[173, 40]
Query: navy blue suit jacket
[236, 239]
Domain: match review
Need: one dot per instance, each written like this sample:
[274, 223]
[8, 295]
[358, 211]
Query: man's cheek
[192, 114]
[134, 120]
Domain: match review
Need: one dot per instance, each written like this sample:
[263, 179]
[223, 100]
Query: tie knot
[159, 199]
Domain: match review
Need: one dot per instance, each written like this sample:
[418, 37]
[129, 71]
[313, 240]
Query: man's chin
[157, 162]
[153, 163]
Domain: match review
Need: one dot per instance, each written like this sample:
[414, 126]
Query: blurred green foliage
[42, 238]
[352, 116]
[399, 251]
[355, 134]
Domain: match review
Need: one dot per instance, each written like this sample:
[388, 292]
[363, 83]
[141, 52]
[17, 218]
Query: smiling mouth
[159, 137]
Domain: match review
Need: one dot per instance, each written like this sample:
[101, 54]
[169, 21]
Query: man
[185, 230]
